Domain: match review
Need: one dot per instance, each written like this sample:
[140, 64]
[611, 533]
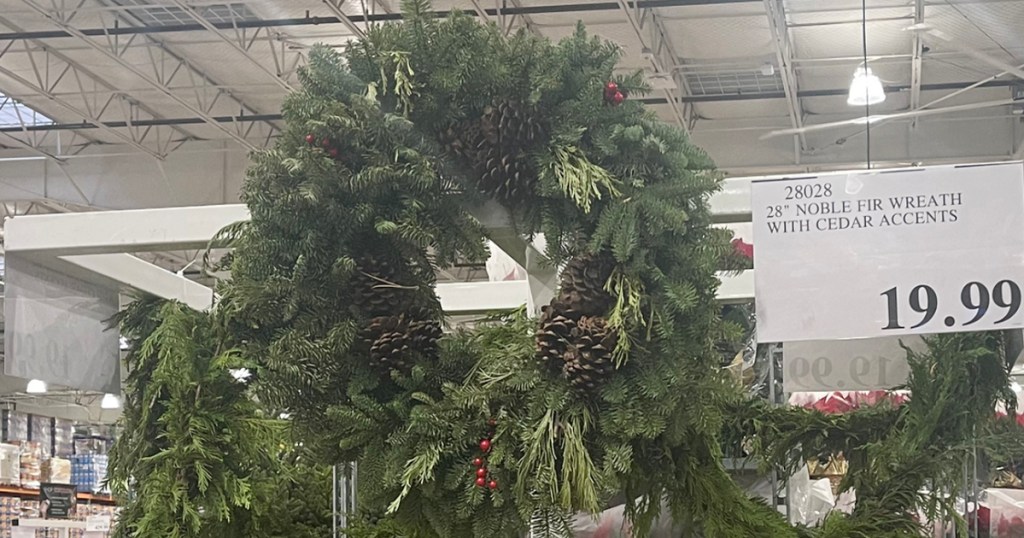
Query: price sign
[888, 253]
[97, 524]
[867, 364]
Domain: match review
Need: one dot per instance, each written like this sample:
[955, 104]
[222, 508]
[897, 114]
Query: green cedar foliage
[196, 457]
[901, 459]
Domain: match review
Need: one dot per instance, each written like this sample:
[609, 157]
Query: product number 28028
[975, 297]
[804, 192]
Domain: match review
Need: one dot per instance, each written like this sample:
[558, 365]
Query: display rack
[34, 493]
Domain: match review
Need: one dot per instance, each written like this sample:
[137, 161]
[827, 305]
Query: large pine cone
[377, 287]
[552, 336]
[510, 125]
[495, 146]
[579, 347]
[397, 342]
[581, 286]
[589, 357]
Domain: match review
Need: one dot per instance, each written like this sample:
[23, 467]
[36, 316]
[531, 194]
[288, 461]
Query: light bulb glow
[36, 386]
[110, 401]
[865, 89]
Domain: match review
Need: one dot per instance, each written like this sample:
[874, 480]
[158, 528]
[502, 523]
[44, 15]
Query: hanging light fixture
[110, 401]
[36, 386]
[866, 88]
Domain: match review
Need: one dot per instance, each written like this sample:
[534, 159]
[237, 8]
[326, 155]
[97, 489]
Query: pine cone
[377, 290]
[582, 284]
[397, 342]
[578, 347]
[496, 145]
[552, 336]
[588, 359]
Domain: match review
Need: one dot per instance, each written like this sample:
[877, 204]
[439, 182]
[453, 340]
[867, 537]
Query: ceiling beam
[650, 101]
[138, 71]
[915, 59]
[659, 53]
[370, 18]
[784, 56]
[241, 48]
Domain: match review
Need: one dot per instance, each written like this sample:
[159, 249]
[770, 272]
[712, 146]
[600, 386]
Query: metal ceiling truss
[658, 49]
[168, 69]
[99, 101]
[243, 41]
[784, 56]
[515, 9]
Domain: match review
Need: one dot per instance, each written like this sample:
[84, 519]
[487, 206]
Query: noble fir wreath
[615, 392]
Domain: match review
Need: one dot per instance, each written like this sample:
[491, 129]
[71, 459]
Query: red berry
[481, 482]
[485, 445]
[618, 98]
[333, 152]
[492, 422]
[310, 139]
[481, 472]
[325, 143]
[478, 462]
[493, 484]
[611, 87]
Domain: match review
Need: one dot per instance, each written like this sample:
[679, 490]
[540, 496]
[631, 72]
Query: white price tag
[867, 364]
[97, 524]
[866, 254]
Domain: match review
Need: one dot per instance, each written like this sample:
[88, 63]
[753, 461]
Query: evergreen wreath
[616, 391]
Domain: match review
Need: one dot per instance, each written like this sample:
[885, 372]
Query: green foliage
[612, 182]
[192, 439]
[197, 457]
[611, 179]
[901, 459]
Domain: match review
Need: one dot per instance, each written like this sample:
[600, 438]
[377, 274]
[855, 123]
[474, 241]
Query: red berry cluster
[612, 94]
[326, 143]
[481, 462]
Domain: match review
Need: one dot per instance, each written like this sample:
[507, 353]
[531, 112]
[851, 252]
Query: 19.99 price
[995, 304]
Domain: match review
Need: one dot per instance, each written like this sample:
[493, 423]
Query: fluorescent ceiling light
[36, 386]
[866, 88]
[110, 401]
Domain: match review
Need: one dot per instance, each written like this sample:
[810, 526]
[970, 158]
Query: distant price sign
[887, 253]
[864, 364]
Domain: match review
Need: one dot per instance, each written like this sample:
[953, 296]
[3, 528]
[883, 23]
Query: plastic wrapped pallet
[15, 426]
[63, 438]
[31, 464]
[10, 464]
[41, 431]
[88, 472]
[57, 471]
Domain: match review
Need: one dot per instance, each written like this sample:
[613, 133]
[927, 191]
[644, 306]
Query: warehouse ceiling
[123, 103]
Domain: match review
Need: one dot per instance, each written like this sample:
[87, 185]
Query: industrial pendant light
[110, 401]
[866, 88]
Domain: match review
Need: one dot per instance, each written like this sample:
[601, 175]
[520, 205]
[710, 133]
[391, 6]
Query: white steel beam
[105, 232]
[132, 272]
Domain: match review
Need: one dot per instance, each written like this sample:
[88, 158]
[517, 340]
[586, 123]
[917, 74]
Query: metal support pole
[343, 496]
